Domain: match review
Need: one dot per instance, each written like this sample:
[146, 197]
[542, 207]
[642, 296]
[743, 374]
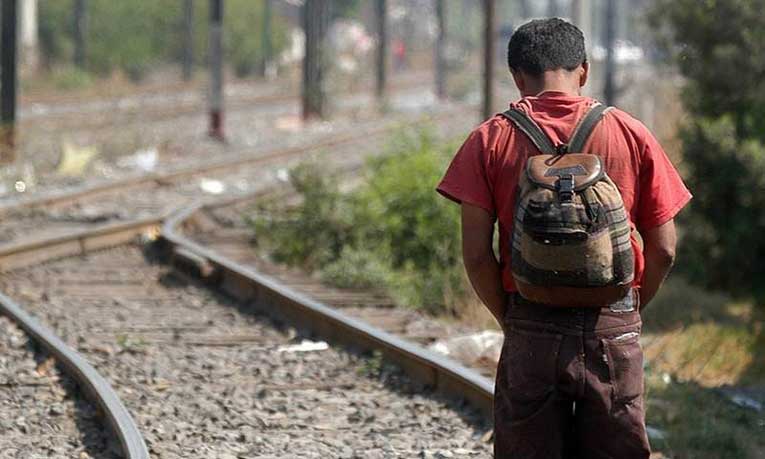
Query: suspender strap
[586, 126]
[532, 130]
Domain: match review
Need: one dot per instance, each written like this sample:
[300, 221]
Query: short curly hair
[546, 44]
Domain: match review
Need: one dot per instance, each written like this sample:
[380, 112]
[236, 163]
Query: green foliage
[719, 47]
[700, 422]
[314, 233]
[393, 232]
[68, 78]
[345, 8]
[244, 37]
[723, 246]
[134, 36]
[372, 366]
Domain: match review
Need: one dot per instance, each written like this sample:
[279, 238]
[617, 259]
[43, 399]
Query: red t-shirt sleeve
[662, 193]
[466, 179]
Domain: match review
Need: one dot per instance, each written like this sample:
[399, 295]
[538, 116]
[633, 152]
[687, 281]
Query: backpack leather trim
[546, 170]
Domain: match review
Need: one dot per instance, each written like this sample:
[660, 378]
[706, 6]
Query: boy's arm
[659, 252]
[480, 262]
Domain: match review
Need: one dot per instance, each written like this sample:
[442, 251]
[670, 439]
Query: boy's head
[546, 49]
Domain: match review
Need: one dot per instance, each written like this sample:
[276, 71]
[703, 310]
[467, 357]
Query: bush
[393, 231]
[724, 140]
[314, 233]
[68, 78]
[135, 36]
[723, 245]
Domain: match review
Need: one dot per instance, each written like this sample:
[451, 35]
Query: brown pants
[570, 383]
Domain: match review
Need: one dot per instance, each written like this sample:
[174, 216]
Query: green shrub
[68, 78]
[314, 233]
[723, 245]
[393, 232]
[134, 36]
[723, 62]
[244, 37]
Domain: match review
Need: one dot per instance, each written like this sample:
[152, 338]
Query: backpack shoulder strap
[532, 130]
[586, 126]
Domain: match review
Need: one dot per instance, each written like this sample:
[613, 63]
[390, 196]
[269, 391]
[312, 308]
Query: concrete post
[8, 80]
[216, 69]
[488, 57]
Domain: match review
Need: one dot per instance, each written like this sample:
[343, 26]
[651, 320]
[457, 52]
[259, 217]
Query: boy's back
[570, 379]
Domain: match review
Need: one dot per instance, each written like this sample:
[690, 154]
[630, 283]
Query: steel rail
[272, 297]
[96, 387]
[175, 108]
[245, 158]
[239, 281]
[19, 255]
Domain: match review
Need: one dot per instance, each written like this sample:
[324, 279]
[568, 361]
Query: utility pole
[581, 15]
[526, 9]
[488, 58]
[266, 51]
[381, 11]
[315, 25]
[80, 32]
[216, 69]
[609, 39]
[552, 9]
[188, 39]
[8, 80]
[440, 50]
[30, 53]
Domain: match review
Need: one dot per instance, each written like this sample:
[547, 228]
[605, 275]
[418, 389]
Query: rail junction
[134, 305]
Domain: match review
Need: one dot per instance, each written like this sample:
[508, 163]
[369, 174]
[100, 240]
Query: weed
[393, 233]
[372, 366]
[700, 423]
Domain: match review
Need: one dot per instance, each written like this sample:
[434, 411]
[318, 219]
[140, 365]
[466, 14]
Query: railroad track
[176, 139]
[169, 102]
[208, 375]
[221, 228]
[43, 414]
[30, 288]
[150, 197]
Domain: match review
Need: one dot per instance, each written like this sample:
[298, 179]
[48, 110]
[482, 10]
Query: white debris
[305, 346]
[745, 402]
[484, 346]
[212, 186]
[655, 434]
[242, 185]
[283, 175]
[145, 160]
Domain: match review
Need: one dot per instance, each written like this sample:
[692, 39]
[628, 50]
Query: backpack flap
[558, 172]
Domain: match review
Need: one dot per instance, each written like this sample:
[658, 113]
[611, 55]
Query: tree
[724, 140]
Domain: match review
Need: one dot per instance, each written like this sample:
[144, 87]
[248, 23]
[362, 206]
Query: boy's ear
[584, 74]
[520, 80]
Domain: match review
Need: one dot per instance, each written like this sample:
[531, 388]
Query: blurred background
[101, 89]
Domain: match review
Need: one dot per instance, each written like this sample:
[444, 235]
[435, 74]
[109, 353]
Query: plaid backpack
[571, 237]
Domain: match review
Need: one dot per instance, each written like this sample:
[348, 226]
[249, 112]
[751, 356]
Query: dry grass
[695, 343]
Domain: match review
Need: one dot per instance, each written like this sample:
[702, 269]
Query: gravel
[42, 413]
[208, 377]
[153, 199]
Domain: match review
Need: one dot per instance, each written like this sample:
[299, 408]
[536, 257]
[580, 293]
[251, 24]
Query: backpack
[571, 237]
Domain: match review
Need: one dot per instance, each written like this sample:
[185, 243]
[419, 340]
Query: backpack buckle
[565, 186]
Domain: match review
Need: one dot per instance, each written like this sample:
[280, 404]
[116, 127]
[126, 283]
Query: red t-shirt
[486, 169]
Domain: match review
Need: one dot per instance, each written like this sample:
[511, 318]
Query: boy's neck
[556, 81]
